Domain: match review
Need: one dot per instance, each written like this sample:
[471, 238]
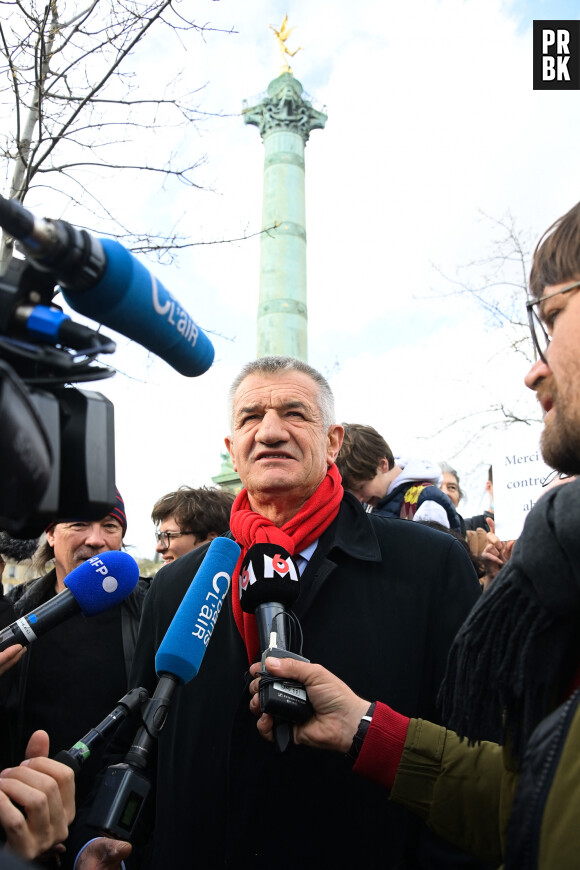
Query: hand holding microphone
[10, 656]
[41, 801]
[337, 710]
[269, 586]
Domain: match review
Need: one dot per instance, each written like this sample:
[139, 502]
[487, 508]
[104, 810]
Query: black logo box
[559, 35]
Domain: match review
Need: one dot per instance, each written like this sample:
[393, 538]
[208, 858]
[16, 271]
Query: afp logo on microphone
[556, 55]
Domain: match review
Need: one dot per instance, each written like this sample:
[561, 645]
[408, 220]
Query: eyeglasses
[540, 334]
[164, 538]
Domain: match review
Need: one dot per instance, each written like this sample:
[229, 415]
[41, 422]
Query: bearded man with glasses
[554, 317]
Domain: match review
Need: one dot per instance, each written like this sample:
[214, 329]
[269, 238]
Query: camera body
[56, 441]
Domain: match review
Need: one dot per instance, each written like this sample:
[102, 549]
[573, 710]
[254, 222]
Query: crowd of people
[442, 665]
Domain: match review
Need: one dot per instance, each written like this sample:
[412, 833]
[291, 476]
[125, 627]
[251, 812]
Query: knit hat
[118, 511]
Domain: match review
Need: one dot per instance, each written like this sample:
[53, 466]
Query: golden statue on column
[282, 36]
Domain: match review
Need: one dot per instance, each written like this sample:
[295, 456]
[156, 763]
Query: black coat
[70, 704]
[381, 601]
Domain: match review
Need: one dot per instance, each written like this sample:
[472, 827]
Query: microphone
[102, 280]
[99, 583]
[269, 586]
[124, 788]
[76, 756]
[181, 651]
[183, 647]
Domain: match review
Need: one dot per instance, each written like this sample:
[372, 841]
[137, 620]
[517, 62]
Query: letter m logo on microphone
[247, 577]
[278, 565]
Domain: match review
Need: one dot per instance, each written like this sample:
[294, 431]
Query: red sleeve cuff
[383, 746]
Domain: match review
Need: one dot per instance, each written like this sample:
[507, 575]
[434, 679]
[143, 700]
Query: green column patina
[284, 118]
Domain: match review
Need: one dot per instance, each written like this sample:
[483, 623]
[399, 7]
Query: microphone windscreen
[185, 642]
[268, 574]
[103, 581]
[129, 299]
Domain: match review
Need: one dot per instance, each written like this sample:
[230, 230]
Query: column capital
[284, 108]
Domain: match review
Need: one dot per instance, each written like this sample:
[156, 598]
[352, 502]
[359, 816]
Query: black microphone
[104, 281]
[76, 756]
[99, 583]
[125, 787]
[269, 586]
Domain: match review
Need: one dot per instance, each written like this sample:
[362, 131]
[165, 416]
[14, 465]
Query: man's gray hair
[445, 467]
[273, 365]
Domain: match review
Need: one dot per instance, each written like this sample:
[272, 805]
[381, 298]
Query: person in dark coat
[380, 602]
[392, 486]
[73, 676]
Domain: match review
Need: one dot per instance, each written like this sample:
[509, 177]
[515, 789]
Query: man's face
[172, 547]
[372, 491]
[557, 383]
[280, 447]
[450, 487]
[75, 542]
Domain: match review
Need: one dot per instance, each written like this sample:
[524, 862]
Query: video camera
[57, 441]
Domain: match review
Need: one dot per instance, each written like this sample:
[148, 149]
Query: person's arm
[337, 715]
[455, 788]
[14, 653]
[337, 710]
[36, 801]
[495, 555]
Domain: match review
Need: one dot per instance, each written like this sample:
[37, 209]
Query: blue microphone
[181, 651]
[124, 788]
[184, 645]
[98, 584]
[129, 299]
[104, 281]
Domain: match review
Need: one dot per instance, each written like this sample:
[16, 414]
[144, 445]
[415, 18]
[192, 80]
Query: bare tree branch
[67, 83]
[180, 245]
[497, 284]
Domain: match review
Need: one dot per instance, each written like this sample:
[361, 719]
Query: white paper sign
[518, 473]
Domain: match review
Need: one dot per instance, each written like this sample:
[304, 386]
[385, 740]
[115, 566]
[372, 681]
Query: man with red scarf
[379, 605]
[514, 668]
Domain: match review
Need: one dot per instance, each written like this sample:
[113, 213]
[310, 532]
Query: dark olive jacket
[473, 796]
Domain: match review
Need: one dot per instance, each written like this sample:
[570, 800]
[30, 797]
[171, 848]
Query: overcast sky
[432, 124]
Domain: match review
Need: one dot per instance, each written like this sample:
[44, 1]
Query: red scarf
[249, 527]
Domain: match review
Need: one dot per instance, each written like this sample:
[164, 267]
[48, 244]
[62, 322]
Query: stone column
[284, 118]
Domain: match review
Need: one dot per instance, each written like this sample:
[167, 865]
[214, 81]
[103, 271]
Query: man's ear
[50, 536]
[334, 438]
[384, 465]
[229, 442]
